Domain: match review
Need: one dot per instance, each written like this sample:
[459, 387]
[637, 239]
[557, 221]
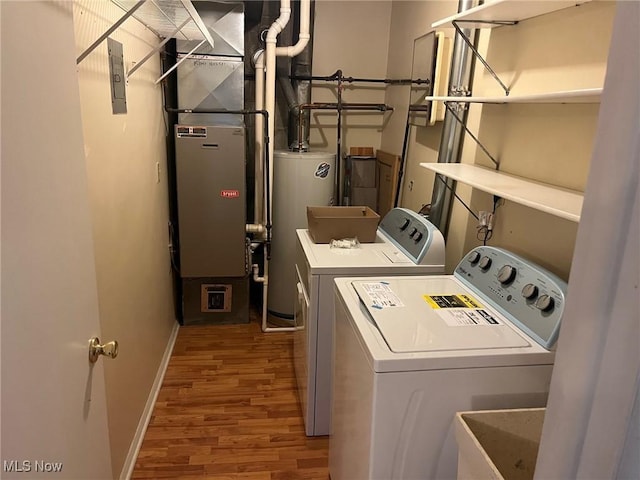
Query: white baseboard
[136, 443]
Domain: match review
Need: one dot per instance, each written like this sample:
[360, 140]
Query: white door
[53, 400]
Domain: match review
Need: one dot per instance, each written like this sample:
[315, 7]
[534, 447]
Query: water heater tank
[299, 179]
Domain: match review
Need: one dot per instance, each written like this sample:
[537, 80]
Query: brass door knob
[109, 349]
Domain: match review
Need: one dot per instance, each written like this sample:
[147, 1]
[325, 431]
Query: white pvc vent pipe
[303, 36]
[259, 66]
[270, 82]
[258, 204]
[269, 105]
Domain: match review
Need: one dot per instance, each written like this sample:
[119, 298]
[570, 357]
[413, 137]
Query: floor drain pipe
[460, 80]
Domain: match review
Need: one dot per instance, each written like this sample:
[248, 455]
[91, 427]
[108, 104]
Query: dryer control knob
[545, 303]
[474, 257]
[485, 263]
[506, 274]
[405, 224]
[414, 230]
[418, 237]
[529, 291]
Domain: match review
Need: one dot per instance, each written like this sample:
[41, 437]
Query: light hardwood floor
[228, 409]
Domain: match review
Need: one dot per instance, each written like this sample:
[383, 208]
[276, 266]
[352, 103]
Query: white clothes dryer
[406, 244]
[412, 351]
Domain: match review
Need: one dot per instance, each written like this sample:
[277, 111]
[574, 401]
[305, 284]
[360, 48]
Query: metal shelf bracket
[112, 29]
[475, 50]
[192, 16]
[155, 50]
[461, 106]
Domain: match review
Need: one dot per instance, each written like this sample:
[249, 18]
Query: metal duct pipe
[282, 72]
[301, 51]
[290, 95]
[301, 66]
[460, 79]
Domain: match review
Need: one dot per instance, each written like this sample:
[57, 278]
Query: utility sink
[498, 444]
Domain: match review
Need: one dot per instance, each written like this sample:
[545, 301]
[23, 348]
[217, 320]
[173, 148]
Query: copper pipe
[380, 107]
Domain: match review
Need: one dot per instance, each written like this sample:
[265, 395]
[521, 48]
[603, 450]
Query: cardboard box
[334, 223]
[361, 151]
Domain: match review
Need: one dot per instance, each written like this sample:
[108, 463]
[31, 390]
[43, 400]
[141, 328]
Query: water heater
[300, 179]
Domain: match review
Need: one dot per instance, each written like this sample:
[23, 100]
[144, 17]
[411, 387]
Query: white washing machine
[406, 244]
[412, 351]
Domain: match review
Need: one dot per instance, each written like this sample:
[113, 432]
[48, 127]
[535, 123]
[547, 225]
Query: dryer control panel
[413, 234]
[530, 296]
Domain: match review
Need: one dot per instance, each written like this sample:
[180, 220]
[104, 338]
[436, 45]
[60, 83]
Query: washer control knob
[506, 274]
[544, 303]
[529, 291]
[405, 224]
[485, 263]
[414, 230]
[418, 237]
[474, 258]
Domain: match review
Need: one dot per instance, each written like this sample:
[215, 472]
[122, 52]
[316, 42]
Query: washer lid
[422, 315]
[367, 255]
[369, 258]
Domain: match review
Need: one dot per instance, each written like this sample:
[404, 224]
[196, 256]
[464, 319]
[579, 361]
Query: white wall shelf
[166, 18]
[496, 13]
[585, 95]
[556, 201]
[163, 17]
[505, 11]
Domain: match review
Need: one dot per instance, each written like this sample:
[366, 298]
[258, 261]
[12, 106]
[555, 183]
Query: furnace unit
[210, 171]
[210, 174]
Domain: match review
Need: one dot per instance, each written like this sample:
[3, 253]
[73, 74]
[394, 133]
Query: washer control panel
[530, 296]
[410, 232]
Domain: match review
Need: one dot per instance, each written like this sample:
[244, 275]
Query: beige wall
[548, 143]
[352, 36]
[129, 206]
[410, 20]
[375, 39]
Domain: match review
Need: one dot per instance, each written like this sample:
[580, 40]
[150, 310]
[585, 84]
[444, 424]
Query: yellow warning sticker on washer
[462, 317]
[452, 301]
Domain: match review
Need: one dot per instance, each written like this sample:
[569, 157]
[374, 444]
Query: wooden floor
[228, 409]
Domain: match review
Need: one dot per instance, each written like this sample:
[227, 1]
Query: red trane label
[229, 193]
